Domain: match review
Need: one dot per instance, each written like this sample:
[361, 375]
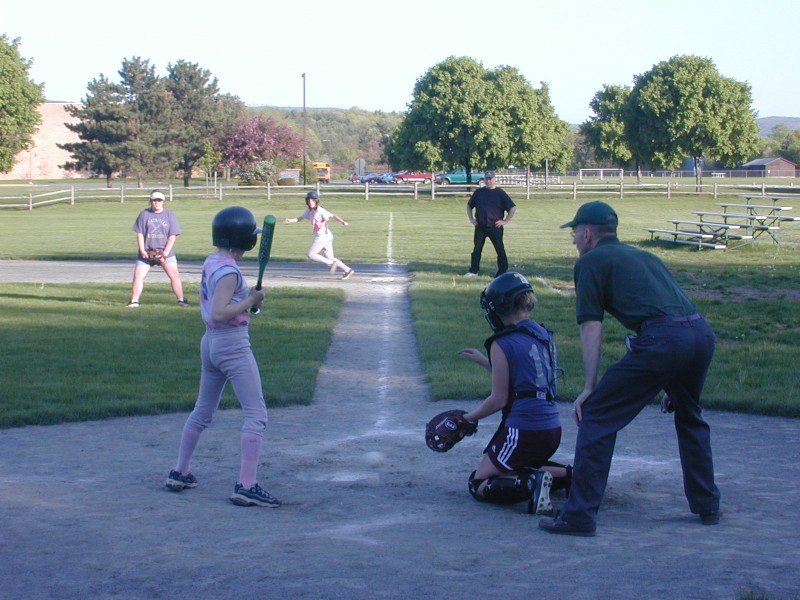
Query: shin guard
[508, 490]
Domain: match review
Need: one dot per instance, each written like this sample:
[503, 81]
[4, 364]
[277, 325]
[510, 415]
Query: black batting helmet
[312, 196]
[499, 296]
[234, 227]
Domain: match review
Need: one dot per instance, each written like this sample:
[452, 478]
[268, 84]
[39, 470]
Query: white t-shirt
[319, 218]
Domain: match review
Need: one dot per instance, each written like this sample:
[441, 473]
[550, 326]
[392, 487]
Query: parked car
[387, 178]
[370, 178]
[459, 176]
[413, 177]
[383, 178]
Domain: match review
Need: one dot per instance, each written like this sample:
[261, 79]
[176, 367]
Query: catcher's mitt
[445, 430]
[154, 257]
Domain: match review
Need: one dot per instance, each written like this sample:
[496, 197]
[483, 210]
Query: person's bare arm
[591, 347]
[470, 217]
[221, 308]
[505, 221]
[500, 383]
[475, 356]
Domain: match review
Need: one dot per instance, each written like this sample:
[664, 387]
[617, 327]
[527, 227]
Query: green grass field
[73, 353]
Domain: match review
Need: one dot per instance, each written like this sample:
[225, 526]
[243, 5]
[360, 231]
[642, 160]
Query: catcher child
[522, 358]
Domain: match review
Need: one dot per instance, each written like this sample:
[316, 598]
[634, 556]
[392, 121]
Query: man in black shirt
[493, 208]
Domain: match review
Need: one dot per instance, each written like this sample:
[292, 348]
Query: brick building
[770, 167]
[43, 159]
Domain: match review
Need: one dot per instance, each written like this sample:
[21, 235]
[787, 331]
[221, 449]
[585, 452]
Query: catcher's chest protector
[545, 347]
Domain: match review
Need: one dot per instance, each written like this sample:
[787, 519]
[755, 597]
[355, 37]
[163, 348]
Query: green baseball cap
[594, 213]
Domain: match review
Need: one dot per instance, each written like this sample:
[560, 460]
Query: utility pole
[304, 129]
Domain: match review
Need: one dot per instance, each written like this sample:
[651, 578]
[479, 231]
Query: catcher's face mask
[494, 320]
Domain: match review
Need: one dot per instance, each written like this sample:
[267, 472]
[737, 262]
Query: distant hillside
[766, 124]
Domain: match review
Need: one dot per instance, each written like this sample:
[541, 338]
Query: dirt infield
[84, 512]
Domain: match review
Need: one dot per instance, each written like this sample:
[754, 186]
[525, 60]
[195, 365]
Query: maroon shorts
[512, 449]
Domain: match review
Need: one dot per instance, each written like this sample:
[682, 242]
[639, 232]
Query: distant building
[290, 174]
[770, 167]
[43, 159]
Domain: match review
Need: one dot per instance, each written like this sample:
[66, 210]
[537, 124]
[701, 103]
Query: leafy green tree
[198, 112]
[444, 124]
[143, 94]
[149, 126]
[123, 125]
[684, 107]
[605, 131]
[211, 158]
[583, 154]
[102, 128]
[258, 171]
[783, 142]
[464, 115]
[19, 99]
[533, 131]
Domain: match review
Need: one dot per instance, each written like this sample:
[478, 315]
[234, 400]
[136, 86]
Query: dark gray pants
[495, 235]
[672, 356]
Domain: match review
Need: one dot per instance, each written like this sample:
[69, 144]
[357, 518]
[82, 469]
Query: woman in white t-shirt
[321, 249]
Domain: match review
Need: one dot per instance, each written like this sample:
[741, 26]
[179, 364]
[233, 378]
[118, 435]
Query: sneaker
[557, 525]
[470, 274]
[177, 481]
[348, 273]
[540, 504]
[183, 302]
[133, 304]
[255, 496]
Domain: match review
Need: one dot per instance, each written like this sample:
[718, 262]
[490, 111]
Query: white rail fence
[517, 185]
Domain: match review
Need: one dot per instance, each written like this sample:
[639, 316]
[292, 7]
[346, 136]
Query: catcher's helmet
[498, 297]
[234, 227]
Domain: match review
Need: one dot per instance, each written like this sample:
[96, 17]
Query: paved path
[83, 511]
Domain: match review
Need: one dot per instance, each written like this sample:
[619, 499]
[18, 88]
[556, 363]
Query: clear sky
[369, 54]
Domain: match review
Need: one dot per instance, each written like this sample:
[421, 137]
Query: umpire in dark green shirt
[672, 351]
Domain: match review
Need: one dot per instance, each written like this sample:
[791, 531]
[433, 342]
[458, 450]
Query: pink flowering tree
[258, 140]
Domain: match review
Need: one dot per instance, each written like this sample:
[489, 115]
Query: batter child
[522, 359]
[323, 237]
[225, 355]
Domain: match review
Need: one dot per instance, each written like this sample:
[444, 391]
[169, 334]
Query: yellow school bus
[323, 171]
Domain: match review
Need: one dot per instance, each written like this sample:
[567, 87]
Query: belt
[669, 319]
[531, 394]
